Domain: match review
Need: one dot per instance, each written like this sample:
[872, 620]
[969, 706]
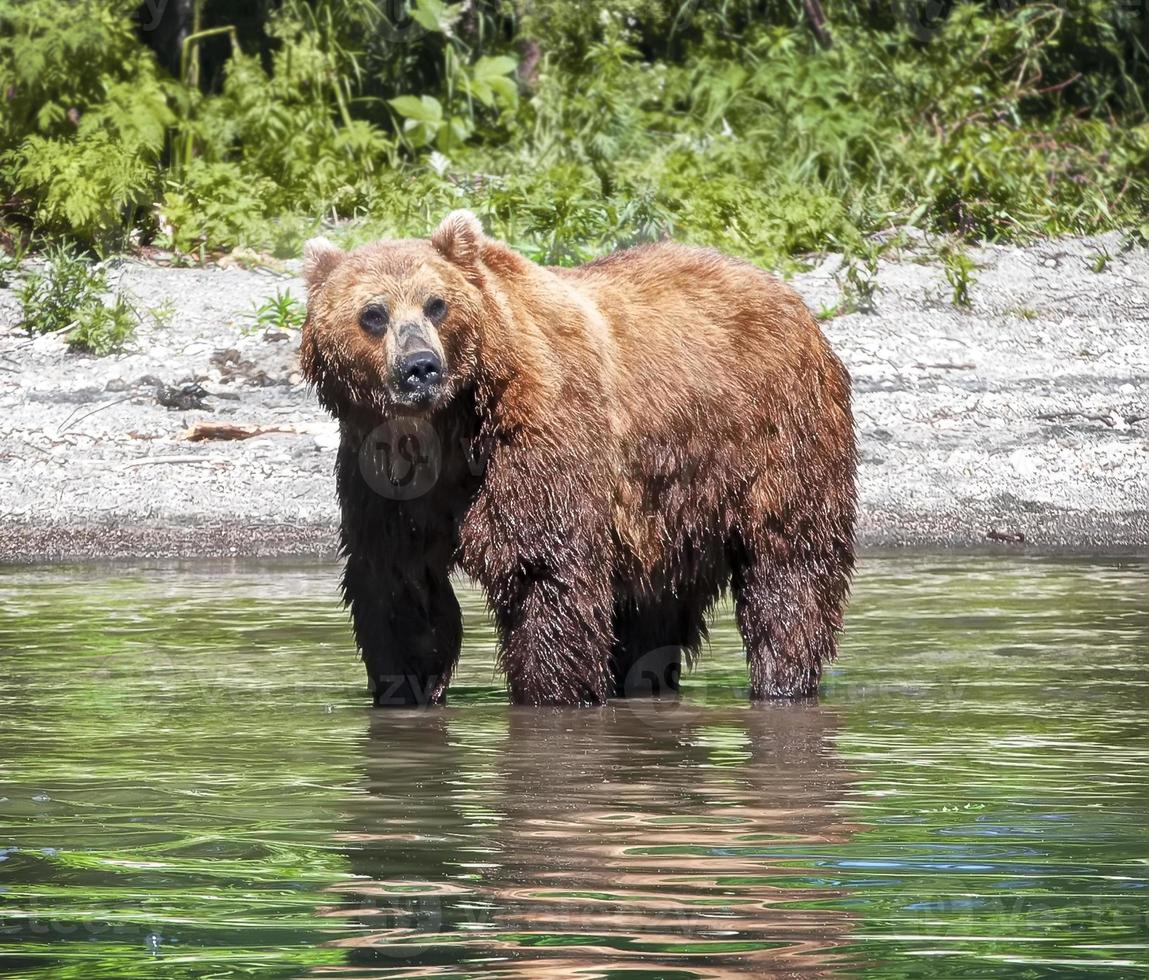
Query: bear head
[393, 326]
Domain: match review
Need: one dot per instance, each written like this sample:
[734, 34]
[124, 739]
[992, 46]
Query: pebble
[1024, 463]
[327, 440]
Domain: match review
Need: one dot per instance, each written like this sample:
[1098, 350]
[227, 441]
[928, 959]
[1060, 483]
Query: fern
[90, 187]
[85, 120]
[216, 205]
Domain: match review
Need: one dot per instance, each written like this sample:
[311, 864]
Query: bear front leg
[407, 621]
[538, 540]
[409, 630]
[555, 642]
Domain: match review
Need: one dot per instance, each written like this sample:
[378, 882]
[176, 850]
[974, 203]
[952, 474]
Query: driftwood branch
[230, 432]
[73, 420]
[157, 460]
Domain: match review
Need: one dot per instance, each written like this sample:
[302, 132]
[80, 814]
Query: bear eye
[436, 308]
[374, 318]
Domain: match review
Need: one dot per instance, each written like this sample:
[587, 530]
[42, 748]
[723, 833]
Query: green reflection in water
[191, 785]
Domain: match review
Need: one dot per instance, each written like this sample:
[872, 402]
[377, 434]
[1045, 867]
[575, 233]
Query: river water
[192, 784]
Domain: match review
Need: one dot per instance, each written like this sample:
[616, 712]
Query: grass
[1100, 261]
[959, 270]
[1022, 313]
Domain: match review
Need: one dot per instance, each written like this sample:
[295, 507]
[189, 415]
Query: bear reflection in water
[658, 836]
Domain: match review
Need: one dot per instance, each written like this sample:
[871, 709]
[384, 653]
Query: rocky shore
[1020, 422]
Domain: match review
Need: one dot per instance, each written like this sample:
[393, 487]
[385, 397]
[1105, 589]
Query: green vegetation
[105, 328]
[861, 275]
[68, 297]
[1022, 312]
[9, 267]
[164, 314]
[572, 129]
[959, 270]
[279, 312]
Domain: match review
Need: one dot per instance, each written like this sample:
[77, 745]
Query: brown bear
[605, 449]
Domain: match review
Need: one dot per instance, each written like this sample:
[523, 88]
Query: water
[191, 784]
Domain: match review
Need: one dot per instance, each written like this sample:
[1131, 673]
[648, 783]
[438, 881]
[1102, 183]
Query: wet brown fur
[653, 428]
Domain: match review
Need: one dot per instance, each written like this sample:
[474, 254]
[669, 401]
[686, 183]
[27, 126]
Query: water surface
[192, 784]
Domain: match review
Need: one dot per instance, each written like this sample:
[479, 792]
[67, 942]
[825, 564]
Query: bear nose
[420, 370]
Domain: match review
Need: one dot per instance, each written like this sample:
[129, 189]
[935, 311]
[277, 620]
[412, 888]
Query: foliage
[85, 187]
[164, 314]
[724, 125]
[286, 129]
[959, 269]
[68, 296]
[861, 275]
[9, 267]
[279, 312]
[214, 202]
[85, 121]
[49, 299]
[427, 121]
[105, 328]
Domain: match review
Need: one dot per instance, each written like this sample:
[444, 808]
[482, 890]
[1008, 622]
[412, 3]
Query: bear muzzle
[418, 370]
[419, 375]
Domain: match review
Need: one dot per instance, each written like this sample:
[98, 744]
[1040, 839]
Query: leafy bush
[9, 266]
[215, 204]
[289, 127]
[427, 122]
[68, 297]
[279, 312]
[722, 124]
[90, 187]
[104, 329]
[85, 121]
[959, 270]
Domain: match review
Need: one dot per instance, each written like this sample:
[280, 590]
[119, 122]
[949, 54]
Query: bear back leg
[789, 594]
[655, 639]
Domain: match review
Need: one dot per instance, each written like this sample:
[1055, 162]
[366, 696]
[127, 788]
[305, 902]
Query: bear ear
[320, 257]
[459, 238]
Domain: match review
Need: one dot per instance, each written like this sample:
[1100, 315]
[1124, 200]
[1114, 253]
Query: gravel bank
[1021, 422]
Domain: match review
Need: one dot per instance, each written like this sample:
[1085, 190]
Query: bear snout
[419, 374]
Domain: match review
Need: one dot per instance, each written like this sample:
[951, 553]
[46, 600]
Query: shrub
[85, 119]
[68, 297]
[279, 312]
[215, 205]
[104, 329]
[722, 124]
